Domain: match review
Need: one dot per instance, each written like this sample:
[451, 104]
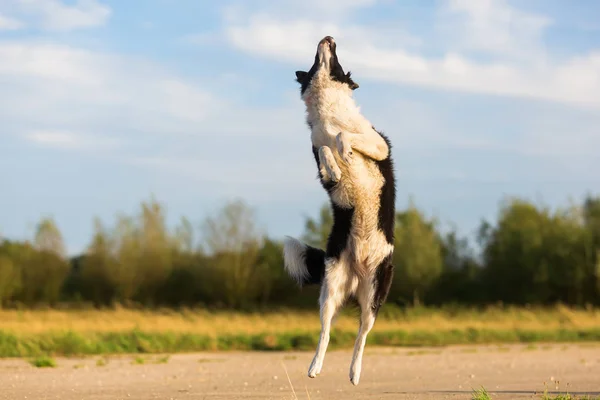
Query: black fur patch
[340, 232]
[315, 263]
[382, 282]
[387, 200]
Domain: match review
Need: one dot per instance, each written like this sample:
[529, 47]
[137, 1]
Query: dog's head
[326, 64]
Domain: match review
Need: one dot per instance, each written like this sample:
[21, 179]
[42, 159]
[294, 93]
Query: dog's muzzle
[327, 40]
[325, 49]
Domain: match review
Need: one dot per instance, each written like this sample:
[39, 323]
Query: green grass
[480, 394]
[143, 360]
[139, 360]
[568, 397]
[69, 343]
[162, 360]
[43, 362]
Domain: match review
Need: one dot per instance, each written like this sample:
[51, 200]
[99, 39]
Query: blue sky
[104, 103]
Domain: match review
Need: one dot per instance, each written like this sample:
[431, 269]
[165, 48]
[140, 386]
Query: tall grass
[120, 330]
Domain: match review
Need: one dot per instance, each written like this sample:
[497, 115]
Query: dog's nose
[327, 39]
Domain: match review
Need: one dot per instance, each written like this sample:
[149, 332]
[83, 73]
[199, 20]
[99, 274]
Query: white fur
[293, 260]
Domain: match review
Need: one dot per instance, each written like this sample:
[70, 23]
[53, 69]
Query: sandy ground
[508, 372]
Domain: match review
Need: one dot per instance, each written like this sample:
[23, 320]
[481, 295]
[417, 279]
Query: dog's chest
[324, 134]
[329, 112]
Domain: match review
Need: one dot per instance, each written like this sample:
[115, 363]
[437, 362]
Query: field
[512, 353]
[28, 333]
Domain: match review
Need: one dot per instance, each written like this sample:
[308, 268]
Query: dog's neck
[331, 107]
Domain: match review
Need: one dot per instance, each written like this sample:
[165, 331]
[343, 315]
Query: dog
[356, 170]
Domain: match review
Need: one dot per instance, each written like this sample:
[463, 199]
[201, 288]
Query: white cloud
[58, 16]
[50, 86]
[9, 24]
[331, 10]
[337, 6]
[69, 140]
[490, 26]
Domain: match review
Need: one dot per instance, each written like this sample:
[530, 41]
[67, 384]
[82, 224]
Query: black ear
[353, 85]
[300, 75]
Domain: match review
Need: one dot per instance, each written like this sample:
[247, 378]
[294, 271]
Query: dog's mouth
[327, 40]
[326, 51]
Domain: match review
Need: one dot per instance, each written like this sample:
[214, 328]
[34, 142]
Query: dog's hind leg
[367, 320]
[371, 294]
[333, 294]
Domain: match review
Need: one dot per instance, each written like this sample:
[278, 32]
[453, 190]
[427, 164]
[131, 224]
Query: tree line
[530, 254]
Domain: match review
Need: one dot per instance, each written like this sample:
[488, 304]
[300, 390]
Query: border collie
[355, 168]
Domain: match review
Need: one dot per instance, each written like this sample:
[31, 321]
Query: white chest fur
[331, 110]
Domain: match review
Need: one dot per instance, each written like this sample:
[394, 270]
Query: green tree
[48, 238]
[515, 269]
[126, 273]
[460, 279]
[189, 271]
[591, 217]
[233, 242]
[10, 279]
[43, 266]
[184, 236]
[155, 252]
[536, 256]
[417, 254]
[97, 268]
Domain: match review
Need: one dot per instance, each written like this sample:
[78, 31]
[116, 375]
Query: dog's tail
[304, 263]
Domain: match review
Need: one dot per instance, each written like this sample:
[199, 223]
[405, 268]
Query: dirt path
[515, 372]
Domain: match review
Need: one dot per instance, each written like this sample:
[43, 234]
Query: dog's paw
[335, 173]
[343, 147]
[315, 368]
[354, 375]
[328, 160]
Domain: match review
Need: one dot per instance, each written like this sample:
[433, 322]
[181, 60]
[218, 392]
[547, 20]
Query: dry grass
[55, 332]
[203, 322]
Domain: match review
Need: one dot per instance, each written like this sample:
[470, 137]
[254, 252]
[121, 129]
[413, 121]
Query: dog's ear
[353, 85]
[300, 76]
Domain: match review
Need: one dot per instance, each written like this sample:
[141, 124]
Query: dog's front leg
[344, 146]
[370, 144]
[332, 170]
